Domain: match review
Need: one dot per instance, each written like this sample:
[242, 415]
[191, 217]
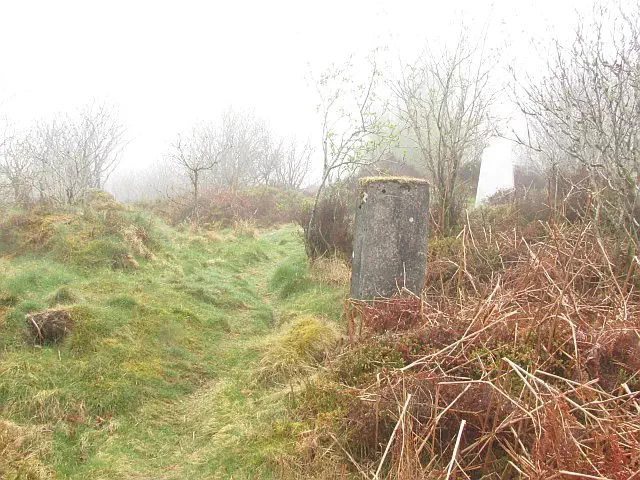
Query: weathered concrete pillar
[390, 237]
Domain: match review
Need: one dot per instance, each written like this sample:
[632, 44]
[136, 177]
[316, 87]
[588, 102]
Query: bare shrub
[583, 114]
[265, 207]
[332, 231]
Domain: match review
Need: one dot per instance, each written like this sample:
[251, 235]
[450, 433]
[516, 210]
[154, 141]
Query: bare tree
[197, 154]
[63, 170]
[282, 165]
[245, 136]
[100, 138]
[583, 115]
[254, 156]
[354, 130]
[293, 165]
[266, 156]
[61, 159]
[16, 170]
[444, 98]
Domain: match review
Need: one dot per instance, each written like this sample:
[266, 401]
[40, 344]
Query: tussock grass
[296, 351]
[291, 277]
[331, 270]
[212, 236]
[24, 451]
[126, 302]
[64, 296]
[244, 228]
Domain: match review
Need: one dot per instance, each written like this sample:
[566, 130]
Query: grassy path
[158, 378]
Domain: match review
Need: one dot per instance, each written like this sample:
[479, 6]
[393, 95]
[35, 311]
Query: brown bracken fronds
[530, 369]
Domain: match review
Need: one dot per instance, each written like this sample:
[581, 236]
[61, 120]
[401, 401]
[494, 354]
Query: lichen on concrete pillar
[390, 237]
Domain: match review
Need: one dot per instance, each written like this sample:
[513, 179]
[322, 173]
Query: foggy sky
[168, 65]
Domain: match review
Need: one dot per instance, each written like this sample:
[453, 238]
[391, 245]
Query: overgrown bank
[520, 360]
[166, 370]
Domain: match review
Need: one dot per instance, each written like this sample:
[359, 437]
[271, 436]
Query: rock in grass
[50, 326]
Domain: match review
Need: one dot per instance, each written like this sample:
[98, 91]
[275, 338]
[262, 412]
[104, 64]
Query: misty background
[165, 66]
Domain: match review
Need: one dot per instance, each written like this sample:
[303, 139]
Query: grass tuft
[125, 302]
[296, 351]
[244, 229]
[23, 451]
[290, 278]
[330, 271]
[64, 296]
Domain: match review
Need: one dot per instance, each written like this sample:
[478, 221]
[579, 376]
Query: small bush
[332, 230]
[361, 364]
[264, 206]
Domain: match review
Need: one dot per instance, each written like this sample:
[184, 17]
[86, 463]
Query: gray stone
[390, 237]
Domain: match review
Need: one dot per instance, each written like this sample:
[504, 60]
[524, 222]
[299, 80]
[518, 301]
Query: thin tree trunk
[312, 218]
[196, 206]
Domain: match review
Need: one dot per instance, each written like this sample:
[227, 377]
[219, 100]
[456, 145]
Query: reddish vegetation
[265, 207]
[526, 345]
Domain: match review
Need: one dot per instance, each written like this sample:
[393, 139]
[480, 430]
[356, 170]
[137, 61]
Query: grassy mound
[98, 234]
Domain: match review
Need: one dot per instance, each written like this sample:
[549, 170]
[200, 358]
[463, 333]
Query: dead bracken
[49, 327]
[524, 373]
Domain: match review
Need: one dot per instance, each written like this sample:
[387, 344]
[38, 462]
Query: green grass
[158, 377]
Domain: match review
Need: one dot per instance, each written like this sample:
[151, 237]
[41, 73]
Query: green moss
[390, 179]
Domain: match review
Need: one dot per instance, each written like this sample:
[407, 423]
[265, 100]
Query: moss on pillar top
[399, 180]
